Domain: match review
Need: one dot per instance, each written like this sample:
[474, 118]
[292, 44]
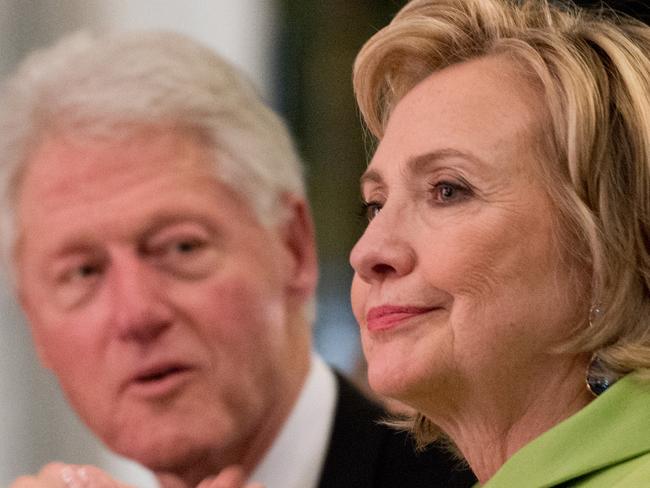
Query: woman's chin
[393, 382]
[424, 385]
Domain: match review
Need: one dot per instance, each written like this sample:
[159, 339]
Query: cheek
[358, 297]
[492, 254]
[63, 345]
[77, 363]
[508, 284]
[62, 339]
[235, 313]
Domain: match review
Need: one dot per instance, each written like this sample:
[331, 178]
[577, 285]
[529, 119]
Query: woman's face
[460, 285]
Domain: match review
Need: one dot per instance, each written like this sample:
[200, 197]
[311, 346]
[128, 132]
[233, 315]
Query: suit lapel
[356, 441]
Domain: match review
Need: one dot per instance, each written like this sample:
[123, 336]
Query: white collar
[297, 455]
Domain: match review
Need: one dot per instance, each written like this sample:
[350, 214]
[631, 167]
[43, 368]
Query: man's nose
[383, 251]
[140, 311]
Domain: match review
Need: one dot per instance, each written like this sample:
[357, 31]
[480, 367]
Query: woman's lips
[390, 316]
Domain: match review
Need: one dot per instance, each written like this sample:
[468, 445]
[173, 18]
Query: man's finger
[60, 475]
[230, 477]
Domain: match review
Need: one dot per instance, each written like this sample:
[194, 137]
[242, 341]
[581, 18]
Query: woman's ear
[297, 234]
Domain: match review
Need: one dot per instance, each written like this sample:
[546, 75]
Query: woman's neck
[494, 423]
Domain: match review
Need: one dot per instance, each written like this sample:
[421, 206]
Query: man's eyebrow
[85, 241]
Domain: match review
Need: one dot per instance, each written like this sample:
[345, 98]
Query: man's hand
[59, 475]
[230, 477]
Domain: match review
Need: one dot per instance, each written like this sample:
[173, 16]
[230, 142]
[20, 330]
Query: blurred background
[299, 53]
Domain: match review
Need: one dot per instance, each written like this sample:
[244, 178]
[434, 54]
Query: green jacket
[604, 445]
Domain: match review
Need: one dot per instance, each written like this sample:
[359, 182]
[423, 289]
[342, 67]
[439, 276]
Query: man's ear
[29, 312]
[297, 233]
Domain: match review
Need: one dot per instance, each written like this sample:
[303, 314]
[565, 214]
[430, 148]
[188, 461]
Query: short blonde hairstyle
[593, 69]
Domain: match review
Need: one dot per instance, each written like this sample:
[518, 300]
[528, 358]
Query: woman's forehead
[479, 111]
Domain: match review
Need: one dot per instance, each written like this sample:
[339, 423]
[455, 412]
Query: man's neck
[252, 449]
[314, 410]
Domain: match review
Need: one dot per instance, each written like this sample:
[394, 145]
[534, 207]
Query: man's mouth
[160, 380]
[160, 373]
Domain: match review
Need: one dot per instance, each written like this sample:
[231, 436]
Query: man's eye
[186, 256]
[87, 270]
[81, 272]
[187, 246]
[369, 210]
[76, 282]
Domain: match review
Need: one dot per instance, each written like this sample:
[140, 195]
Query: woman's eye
[446, 192]
[369, 210]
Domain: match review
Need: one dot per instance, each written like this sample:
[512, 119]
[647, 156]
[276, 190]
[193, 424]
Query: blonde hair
[594, 72]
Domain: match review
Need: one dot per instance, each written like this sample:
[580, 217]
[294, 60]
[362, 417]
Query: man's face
[170, 316]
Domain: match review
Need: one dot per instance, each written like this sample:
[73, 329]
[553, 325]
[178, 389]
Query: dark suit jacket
[366, 454]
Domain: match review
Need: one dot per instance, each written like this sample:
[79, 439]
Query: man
[163, 253]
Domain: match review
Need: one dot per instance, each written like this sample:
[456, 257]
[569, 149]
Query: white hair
[100, 86]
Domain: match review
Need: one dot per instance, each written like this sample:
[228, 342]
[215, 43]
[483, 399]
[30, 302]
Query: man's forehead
[62, 163]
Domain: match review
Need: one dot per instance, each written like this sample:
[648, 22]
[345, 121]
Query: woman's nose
[383, 251]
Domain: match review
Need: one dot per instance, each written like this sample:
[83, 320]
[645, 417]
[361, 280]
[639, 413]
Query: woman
[506, 255]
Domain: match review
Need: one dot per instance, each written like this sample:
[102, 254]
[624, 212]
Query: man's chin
[157, 453]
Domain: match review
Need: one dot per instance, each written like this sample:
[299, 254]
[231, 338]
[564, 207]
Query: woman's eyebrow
[418, 164]
[370, 176]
